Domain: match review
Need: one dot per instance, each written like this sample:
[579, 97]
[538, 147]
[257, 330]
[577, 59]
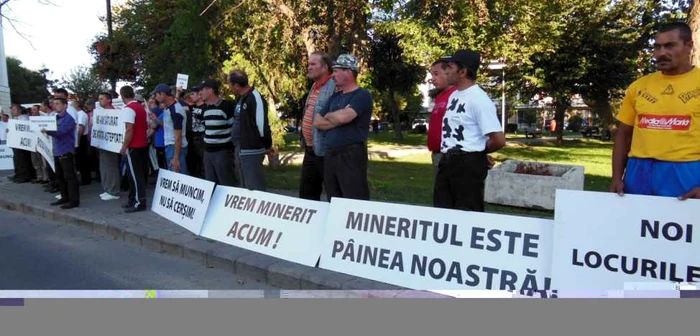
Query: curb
[259, 267]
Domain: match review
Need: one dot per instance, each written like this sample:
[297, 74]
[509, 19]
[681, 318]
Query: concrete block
[323, 279]
[505, 187]
[286, 275]
[254, 266]
[152, 244]
[132, 238]
[174, 245]
[197, 249]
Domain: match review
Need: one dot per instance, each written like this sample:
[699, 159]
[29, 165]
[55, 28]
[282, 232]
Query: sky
[60, 32]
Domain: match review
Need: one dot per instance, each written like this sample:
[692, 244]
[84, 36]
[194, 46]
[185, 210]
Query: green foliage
[26, 86]
[84, 83]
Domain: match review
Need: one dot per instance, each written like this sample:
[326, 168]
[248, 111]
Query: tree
[392, 74]
[84, 83]
[28, 86]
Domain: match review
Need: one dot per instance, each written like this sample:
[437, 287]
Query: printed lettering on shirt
[690, 95]
[453, 105]
[664, 122]
[669, 90]
[647, 96]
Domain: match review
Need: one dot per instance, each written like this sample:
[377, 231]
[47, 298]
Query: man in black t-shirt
[194, 107]
[345, 120]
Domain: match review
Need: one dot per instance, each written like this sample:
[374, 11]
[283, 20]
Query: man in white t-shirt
[470, 130]
[82, 162]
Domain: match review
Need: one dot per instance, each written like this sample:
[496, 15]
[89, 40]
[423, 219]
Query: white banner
[6, 156]
[182, 80]
[44, 146]
[606, 242]
[284, 227]
[21, 135]
[182, 199]
[107, 130]
[47, 122]
[438, 250]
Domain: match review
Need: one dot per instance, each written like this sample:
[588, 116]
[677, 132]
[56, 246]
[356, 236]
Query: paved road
[36, 254]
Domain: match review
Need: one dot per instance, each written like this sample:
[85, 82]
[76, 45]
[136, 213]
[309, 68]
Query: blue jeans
[170, 154]
[661, 178]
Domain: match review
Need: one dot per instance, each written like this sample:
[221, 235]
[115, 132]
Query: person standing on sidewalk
[438, 72]
[657, 146]
[155, 115]
[63, 151]
[22, 159]
[46, 109]
[135, 149]
[312, 139]
[254, 130]
[81, 155]
[218, 121]
[346, 118]
[175, 132]
[195, 152]
[471, 130]
[109, 161]
[93, 153]
[37, 160]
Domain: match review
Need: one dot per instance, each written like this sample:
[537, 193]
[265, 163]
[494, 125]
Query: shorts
[661, 178]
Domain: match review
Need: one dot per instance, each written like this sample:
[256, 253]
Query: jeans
[170, 154]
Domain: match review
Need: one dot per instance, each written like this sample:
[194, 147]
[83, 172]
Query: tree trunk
[694, 21]
[604, 111]
[395, 114]
[562, 105]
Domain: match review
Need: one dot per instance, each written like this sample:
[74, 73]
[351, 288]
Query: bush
[575, 123]
[511, 128]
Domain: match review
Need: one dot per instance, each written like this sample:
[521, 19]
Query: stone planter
[506, 187]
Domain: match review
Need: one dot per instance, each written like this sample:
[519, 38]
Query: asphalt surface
[38, 254]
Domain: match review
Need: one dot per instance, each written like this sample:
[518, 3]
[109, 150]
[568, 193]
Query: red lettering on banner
[662, 122]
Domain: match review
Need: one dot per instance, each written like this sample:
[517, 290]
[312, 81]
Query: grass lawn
[383, 138]
[409, 179]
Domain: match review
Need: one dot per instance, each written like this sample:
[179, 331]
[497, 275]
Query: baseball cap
[162, 88]
[210, 83]
[346, 61]
[467, 58]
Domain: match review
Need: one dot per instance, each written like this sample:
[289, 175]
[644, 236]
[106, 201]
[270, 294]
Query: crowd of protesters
[199, 132]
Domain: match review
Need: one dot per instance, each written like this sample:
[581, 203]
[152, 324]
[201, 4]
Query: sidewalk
[155, 233]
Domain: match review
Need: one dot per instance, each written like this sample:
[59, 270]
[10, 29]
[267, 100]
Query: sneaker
[58, 196]
[102, 195]
[110, 197]
[59, 202]
[135, 209]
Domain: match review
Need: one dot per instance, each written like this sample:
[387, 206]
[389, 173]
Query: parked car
[596, 132]
[419, 122]
[532, 132]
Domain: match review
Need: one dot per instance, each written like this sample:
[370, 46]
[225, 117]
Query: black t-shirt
[356, 131]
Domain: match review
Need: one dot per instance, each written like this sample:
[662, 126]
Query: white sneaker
[102, 195]
[58, 196]
[110, 197]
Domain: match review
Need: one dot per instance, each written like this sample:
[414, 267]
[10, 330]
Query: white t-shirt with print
[470, 116]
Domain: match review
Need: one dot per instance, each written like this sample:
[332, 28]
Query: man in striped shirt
[218, 148]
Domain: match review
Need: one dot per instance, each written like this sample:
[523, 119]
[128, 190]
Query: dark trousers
[345, 172]
[460, 181]
[94, 161]
[160, 154]
[311, 185]
[195, 156]
[137, 170]
[67, 179]
[82, 160]
[218, 167]
[22, 160]
[52, 173]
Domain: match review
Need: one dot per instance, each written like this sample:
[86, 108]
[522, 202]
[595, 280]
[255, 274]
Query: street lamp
[497, 65]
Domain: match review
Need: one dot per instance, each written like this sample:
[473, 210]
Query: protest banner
[604, 242]
[182, 199]
[6, 156]
[46, 122]
[284, 227]
[44, 146]
[435, 249]
[182, 80]
[21, 135]
[107, 130]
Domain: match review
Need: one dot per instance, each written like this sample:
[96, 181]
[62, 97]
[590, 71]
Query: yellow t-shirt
[665, 113]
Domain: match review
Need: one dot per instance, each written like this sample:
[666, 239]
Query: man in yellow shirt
[657, 147]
